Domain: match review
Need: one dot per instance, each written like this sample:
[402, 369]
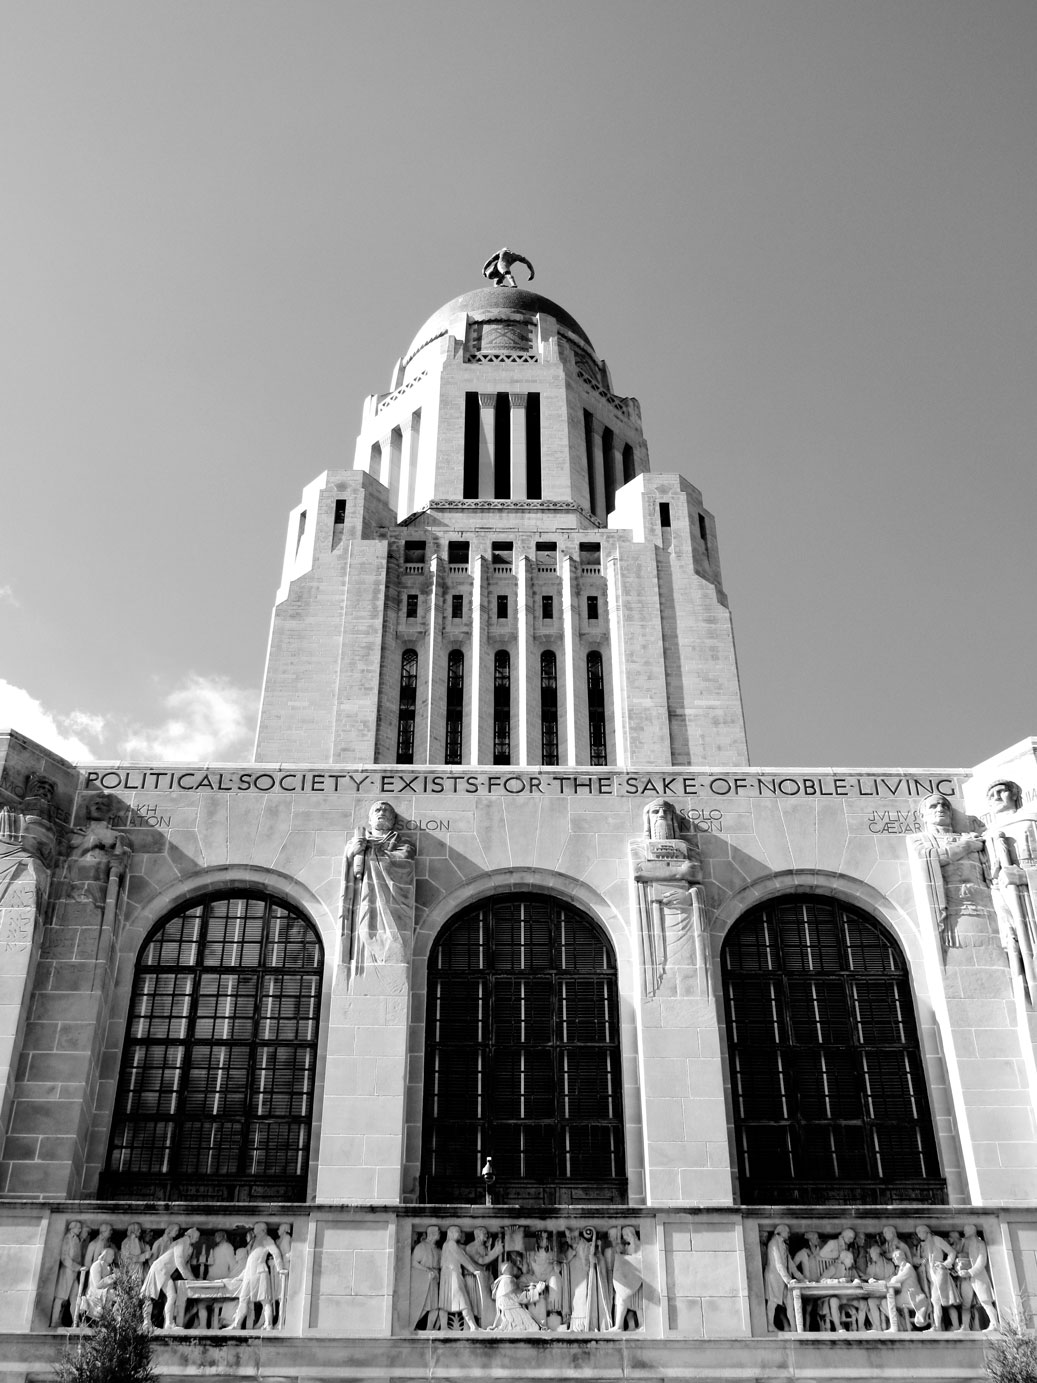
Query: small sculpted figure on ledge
[99, 857]
[27, 843]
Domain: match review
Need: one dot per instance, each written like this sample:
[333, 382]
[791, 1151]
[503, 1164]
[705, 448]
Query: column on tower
[409, 468]
[596, 464]
[487, 422]
[438, 649]
[519, 485]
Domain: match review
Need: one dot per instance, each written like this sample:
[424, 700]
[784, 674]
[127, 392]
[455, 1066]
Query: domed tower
[500, 579]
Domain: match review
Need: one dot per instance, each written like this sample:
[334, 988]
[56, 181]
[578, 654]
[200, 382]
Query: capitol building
[501, 1018]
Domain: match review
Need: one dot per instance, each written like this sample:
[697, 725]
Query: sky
[801, 232]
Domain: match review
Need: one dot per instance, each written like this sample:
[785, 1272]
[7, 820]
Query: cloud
[66, 734]
[8, 597]
[209, 719]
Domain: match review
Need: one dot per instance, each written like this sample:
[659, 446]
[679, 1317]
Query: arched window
[408, 706]
[827, 1083]
[215, 1095]
[599, 754]
[548, 708]
[522, 1059]
[501, 708]
[454, 707]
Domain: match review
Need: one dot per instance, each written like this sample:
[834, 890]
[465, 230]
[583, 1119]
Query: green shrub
[117, 1348]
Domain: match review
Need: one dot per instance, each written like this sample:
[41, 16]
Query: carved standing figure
[453, 1291]
[778, 1277]
[27, 841]
[381, 865]
[424, 1281]
[483, 1252]
[975, 1279]
[169, 1268]
[543, 1266]
[668, 877]
[956, 875]
[66, 1292]
[627, 1281]
[255, 1288]
[590, 1303]
[498, 268]
[908, 1289]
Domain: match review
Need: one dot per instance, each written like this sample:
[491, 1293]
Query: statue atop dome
[498, 268]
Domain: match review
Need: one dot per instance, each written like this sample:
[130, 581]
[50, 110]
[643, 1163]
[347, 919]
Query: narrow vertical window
[457, 607]
[592, 607]
[628, 464]
[608, 456]
[454, 706]
[412, 606]
[302, 530]
[547, 607]
[588, 441]
[471, 445]
[502, 607]
[502, 448]
[596, 710]
[339, 524]
[501, 708]
[704, 533]
[548, 708]
[664, 514]
[533, 462]
[408, 705]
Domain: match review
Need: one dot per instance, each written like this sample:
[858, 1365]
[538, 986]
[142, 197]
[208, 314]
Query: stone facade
[662, 853]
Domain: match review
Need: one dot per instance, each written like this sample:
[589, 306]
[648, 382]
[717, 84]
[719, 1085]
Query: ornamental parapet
[663, 1273]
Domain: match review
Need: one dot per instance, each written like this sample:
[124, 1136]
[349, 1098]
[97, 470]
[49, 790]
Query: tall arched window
[522, 1059]
[454, 707]
[599, 754]
[408, 706]
[501, 707]
[827, 1083]
[215, 1095]
[548, 708]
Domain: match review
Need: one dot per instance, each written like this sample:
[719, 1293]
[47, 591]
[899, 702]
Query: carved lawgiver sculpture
[1012, 851]
[498, 268]
[27, 847]
[99, 858]
[668, 881]
[378, 896]
[956, 875]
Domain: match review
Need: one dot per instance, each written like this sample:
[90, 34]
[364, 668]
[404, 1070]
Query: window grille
[548, 708]
[522, 1057]
[501, 708]
[827, 1082]
[599, 755]
[454, 706]
[215, 1094]
[408, 706]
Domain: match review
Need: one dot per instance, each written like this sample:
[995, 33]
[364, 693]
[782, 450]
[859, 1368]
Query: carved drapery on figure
[99, 857]
[378, 892]
[27, 848]
[667, 875]
[1012, 853]
[880, 1280]
[516, 1279]
[956, 876]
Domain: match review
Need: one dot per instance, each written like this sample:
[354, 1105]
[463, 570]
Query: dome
[484, 303]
